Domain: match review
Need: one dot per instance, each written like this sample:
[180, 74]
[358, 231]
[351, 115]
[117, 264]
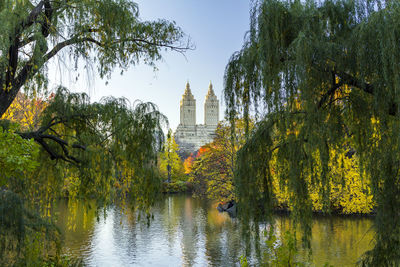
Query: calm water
[191, 232]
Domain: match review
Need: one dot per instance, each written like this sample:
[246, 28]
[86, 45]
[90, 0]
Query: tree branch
[350, 80]
[40, 137]
[73, 40]
[32, 16]
[28, 71]
[331, 91]
[48, 11]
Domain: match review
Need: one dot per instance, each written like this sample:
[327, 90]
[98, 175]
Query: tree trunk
[6, 98]
[169, 173]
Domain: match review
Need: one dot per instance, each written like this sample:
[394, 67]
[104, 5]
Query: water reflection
[191, 232]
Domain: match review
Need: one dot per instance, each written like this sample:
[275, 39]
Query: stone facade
[211, 108]
[189, 135]
[188, 108]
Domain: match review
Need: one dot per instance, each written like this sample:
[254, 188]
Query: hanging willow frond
[327, 77]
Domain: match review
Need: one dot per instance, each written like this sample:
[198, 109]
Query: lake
[191, 232]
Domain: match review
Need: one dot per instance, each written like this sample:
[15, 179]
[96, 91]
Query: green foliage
[211, 171]
[105, 145]
[17, 155]
[169, 157]
[34, 256]
[25, 237]
[19, 158]
[278, 251]
[281, 252]
[107, 151]
[243, 261]
[34, 32]
[325, 85]
[176, 187]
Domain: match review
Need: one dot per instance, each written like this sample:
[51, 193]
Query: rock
[232, 211]
[229, 207]
[220, 208]
[226, 206]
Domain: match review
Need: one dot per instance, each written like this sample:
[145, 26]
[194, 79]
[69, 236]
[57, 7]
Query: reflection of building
[189, 135]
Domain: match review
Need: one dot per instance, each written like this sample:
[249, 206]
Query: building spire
[210, 90]
[187, 90]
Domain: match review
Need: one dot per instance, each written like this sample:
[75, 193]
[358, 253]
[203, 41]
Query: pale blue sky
[216, 27]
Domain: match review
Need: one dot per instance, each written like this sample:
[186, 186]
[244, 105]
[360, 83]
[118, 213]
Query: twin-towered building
[189, 135]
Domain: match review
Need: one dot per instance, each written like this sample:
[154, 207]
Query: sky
[217, 29]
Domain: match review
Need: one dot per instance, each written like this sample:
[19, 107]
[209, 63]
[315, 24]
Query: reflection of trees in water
[188, 231]
[223, 245]
[124, 232]
[170, 215]
[189, 224]
[337, 240]
[204, 233]
[76, 222]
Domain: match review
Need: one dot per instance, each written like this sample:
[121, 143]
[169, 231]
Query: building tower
[188, 108]
[211, 108]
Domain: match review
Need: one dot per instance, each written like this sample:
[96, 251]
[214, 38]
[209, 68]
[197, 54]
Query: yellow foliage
[169, 157]
[25, 111]
[349, 191]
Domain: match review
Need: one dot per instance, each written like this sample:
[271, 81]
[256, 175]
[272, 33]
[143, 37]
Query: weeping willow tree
[106, 34]
[321, 76]
[100, 145]
[105, 151]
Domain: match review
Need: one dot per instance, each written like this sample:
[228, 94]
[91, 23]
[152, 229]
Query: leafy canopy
[16, 155]
[107, 33]
[211, 170]
[106, 150]
[102, 143]
[322, 76]
[169, 159]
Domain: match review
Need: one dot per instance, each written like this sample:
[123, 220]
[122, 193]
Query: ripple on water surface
[191, 232]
